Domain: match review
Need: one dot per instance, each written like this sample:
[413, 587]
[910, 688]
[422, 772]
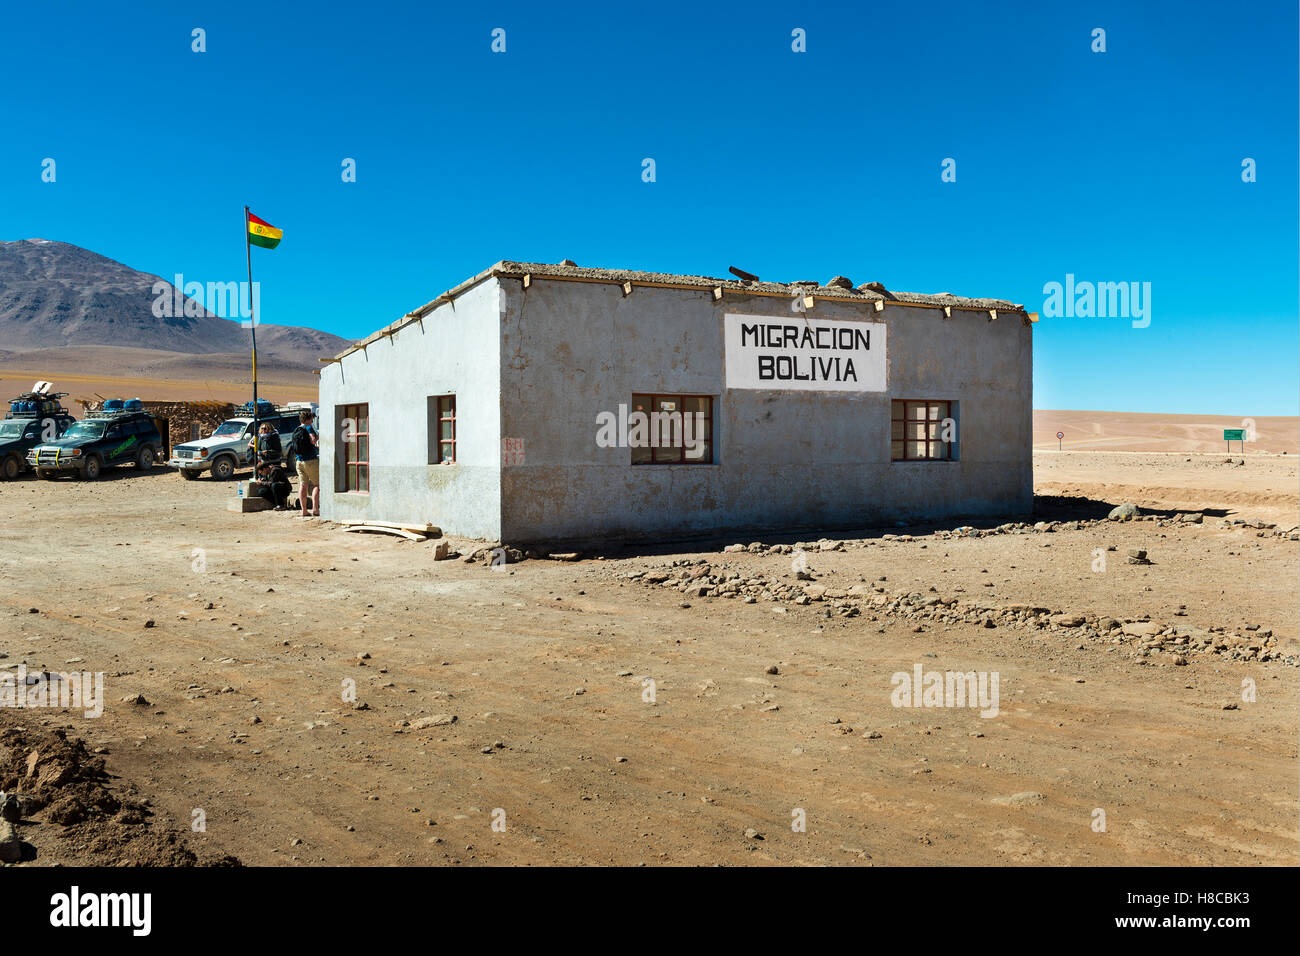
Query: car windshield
[228, 428]
[11, 429]
[85, 430]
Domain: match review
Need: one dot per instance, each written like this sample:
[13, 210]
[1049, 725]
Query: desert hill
[56, 295]
[87, 323]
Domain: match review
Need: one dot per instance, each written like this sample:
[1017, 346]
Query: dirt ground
[602, 718]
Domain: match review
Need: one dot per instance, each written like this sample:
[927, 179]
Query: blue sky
[1115, 166]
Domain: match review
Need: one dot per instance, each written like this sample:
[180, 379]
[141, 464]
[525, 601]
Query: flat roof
[842, 290]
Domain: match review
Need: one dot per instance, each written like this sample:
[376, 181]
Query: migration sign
[802, 353]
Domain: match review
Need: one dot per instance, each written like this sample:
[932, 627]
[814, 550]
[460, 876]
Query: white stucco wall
[540, 364]
[783, 458]
[455, 350]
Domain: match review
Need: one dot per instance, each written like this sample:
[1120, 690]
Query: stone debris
[1025, 799]
[437, 720]
[11, 845]
[713, 579]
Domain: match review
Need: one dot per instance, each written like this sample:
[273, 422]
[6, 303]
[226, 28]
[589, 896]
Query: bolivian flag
[261, 233]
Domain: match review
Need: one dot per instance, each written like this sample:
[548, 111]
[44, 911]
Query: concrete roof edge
[507, 268]
[416, 314]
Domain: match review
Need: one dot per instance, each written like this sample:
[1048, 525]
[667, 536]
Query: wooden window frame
[352, 466]
[446, 418]
[932, 425]
[680, 458]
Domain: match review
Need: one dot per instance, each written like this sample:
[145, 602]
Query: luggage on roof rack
[36, 405]
[263, 409]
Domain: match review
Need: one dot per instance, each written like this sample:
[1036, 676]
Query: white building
[507, 408]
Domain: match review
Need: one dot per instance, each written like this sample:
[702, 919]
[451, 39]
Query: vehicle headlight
[74, 452]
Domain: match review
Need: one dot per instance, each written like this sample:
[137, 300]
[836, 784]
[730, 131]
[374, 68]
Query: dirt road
[608, 719]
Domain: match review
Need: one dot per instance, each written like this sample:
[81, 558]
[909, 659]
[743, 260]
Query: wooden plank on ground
[426, 529]
[378, 529]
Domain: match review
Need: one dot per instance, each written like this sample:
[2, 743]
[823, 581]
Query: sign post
[1059, 436]
[1231, 435]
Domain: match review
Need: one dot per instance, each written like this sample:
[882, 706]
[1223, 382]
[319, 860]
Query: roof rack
[37, 405]
[120, 413]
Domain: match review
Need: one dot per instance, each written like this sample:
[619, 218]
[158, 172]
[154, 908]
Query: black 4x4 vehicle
[104, 440]
[33, 417]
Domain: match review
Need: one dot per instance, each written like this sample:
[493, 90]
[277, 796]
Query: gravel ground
[295, 685]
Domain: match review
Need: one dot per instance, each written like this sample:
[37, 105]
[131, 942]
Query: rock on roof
[866, 292]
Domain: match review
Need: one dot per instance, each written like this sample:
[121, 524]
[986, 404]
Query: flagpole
[252, 324]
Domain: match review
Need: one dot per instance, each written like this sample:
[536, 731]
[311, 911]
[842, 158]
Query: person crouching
[274, 483]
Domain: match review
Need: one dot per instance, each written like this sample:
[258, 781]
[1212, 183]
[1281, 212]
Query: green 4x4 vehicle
[18, 435]
[99, 442]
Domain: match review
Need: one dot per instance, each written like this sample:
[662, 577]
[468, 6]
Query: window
[671, 430]
[442, 429]
[354, 439]
[922, 430]
[196, 431]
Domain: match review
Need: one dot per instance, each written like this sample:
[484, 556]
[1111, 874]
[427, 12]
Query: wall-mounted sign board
[825, 355]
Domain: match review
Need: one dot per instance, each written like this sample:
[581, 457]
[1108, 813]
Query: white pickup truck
[226, 450]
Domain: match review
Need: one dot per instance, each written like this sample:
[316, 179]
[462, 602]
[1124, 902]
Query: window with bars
[922, 430]
[671, 429]
[442, 429]
[354, 440]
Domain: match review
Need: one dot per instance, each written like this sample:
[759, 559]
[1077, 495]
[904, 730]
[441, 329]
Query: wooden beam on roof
[717, 293]
[627, 288]
[528, 279]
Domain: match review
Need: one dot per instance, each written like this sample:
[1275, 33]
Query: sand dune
[1136, 431]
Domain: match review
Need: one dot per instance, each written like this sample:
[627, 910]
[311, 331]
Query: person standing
[306, 448]
[266, 446]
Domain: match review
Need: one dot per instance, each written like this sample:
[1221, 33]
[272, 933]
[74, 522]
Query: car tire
[11, 468]
[290, 464]
[144, 461]
[223, 469]
[188, 474]
[92, 469]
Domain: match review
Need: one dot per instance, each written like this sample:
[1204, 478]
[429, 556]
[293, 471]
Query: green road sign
[1234, 434]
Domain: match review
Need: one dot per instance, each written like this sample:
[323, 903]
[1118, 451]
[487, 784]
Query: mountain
[56, 295]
